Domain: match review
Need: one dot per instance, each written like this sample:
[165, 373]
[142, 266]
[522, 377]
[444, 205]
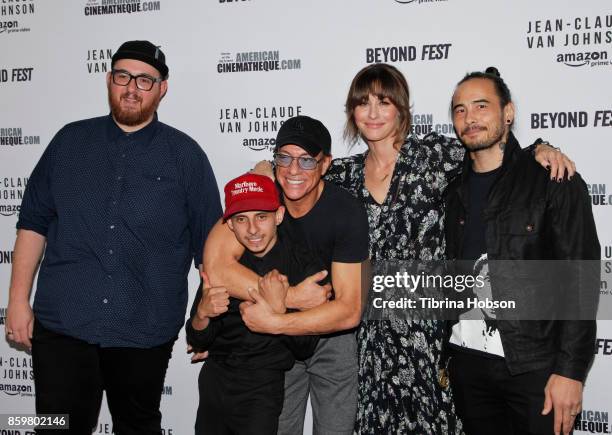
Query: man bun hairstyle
[492, 74]
[493, 70]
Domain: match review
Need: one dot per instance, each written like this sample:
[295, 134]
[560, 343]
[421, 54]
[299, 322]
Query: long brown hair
[383, 81]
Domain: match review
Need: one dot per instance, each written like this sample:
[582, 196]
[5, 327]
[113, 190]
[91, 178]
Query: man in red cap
[120, 205]
[241, 384]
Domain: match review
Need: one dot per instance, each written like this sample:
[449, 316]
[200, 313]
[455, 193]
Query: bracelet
[540, 141]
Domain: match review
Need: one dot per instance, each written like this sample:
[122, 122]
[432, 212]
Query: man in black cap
[335, 225]
[120, 205]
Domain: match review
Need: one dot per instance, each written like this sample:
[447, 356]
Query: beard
[131, 114]
[491, 137]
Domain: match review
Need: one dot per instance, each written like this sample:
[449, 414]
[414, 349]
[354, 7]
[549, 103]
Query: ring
[573, 415]
[9, 332]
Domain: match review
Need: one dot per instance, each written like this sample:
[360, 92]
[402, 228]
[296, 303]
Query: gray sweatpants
[330, 376]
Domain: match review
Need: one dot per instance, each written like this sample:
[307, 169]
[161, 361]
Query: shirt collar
[143, 136]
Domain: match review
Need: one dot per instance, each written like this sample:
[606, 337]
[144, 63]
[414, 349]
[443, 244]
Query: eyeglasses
[305, 163]
[144, 82]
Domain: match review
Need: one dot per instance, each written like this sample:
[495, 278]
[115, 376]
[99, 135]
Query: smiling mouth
[472, 130]
[130, 99]
[294, 182]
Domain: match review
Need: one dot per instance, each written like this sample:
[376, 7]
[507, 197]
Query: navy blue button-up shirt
[124, 215]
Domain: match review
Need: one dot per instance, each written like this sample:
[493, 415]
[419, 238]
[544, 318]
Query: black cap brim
[306, 144]
[125, 54]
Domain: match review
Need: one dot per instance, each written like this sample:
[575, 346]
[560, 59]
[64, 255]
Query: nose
[294, 167]
[372, 110]
[470, 116]
[252, 228]
[132, 85]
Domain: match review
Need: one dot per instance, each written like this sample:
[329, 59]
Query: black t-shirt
[479, 186]
[481, 335]
[336, 227]
[227, 338]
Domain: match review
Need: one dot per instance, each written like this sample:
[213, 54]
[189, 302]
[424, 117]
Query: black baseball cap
[307, 133]
[143, 51]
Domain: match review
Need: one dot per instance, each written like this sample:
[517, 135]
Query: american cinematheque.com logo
[14, 15]
[423, 124]
[248, 61]
[600, 194]
[112, 7]
[593, 421]
[257, 125]
[573, 41]
[14, 136]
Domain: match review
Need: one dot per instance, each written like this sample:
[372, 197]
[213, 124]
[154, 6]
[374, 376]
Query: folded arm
[341, 313]
[221, 254]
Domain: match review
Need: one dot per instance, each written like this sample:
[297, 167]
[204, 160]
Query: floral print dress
[399, 391]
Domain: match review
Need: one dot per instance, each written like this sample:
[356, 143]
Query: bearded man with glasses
[120, 205]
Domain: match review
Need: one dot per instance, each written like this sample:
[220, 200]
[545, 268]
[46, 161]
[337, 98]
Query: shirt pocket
[153, 197]
[520, 231]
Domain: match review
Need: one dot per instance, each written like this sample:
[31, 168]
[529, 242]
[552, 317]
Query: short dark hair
[384, 81]
[492, 74]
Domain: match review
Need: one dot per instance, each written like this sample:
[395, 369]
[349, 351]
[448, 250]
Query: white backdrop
[556, 56]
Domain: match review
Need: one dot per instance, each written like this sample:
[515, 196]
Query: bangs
[384, 82]
[374, 83]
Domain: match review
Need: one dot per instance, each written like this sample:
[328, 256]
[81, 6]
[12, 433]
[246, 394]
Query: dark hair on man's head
[383, 81]
[492, 74]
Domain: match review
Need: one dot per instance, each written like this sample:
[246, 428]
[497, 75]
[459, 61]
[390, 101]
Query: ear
[230, 224]
[509, 113]
[325, 162]
[163, 88]
[280, 214]
[108, 79]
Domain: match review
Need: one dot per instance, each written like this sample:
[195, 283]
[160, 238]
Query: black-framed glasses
[304, 162]
[144, 82]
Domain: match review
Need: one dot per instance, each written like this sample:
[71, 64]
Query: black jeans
[70, 375]
[239, 401]
[489, 400]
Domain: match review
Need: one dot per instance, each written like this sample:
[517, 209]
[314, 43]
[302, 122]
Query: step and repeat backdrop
[239, 68]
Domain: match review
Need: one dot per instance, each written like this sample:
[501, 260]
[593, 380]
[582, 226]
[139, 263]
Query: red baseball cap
[250, 192]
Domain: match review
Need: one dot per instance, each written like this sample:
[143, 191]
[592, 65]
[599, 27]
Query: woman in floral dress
[401, 184]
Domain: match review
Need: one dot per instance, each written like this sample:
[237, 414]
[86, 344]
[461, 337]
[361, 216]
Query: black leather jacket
[529, 217]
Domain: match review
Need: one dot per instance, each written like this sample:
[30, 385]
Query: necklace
[385, 168]
[385, 177]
